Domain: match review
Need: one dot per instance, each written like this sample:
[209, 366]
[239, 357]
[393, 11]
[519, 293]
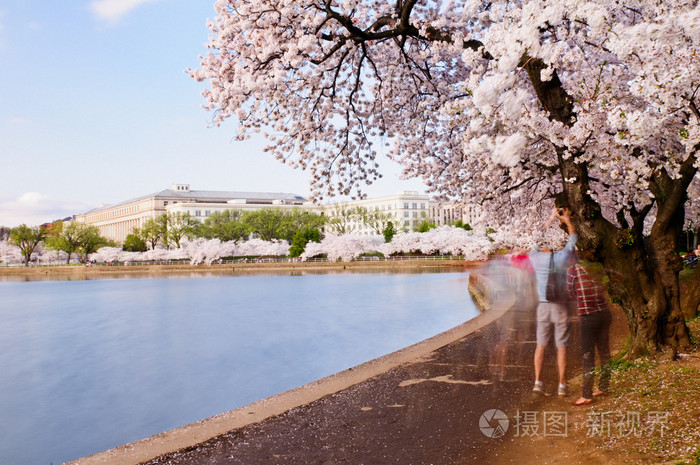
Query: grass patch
[619, 364]
[665, 398]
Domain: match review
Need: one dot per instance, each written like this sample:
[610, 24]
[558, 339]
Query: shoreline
[195, 434]
[63, 272]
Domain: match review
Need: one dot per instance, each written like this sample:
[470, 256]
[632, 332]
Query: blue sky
[96, 108]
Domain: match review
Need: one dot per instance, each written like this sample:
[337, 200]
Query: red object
[522, 262]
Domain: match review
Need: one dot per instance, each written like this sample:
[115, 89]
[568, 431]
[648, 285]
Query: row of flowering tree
[50, 243]
[197, 251]
[472, 245]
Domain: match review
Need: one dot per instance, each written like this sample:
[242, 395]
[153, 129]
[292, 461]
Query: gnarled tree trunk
[643, 270]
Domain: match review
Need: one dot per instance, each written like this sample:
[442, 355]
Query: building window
[405, 205]
[415, 205]
[415, 214]
[422, 206]
[207, 212]
[198, 213]
[405, 214]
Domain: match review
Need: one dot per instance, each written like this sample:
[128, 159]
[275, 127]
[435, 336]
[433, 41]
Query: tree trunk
[690, 295]
[643, 271]
[643, 281]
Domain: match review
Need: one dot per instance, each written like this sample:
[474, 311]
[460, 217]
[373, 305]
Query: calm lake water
[89, 365]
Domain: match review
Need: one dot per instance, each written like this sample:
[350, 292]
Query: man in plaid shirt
[594, 316]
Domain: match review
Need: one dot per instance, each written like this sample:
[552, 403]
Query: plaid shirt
[589, 294]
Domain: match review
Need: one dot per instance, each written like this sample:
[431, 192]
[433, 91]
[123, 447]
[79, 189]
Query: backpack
[556, 284]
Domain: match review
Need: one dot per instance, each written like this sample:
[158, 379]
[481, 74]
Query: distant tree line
[74, 239]
[296, 226]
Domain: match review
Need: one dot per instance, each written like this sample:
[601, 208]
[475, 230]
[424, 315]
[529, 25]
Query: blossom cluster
[446, 89]
[197, 251]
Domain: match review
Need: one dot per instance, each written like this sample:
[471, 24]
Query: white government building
[406, 209]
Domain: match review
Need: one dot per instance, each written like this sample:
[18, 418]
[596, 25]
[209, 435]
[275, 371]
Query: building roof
[205, 196]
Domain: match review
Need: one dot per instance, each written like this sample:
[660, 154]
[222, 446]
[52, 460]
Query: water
[89, 365]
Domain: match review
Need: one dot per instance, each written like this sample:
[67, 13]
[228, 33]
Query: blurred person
[518, 277]
[553, 316]
[524, 285]
[594, 322]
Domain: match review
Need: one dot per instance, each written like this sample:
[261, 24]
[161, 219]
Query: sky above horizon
[96, 108]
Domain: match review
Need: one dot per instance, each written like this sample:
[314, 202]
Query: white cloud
[114, 10]
[34, 208]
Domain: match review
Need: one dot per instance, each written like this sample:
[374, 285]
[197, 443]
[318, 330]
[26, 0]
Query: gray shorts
[552, 318]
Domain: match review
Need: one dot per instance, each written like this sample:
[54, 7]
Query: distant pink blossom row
[472, 245]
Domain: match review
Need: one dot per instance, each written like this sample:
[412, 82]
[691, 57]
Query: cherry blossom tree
[509, 104]
[10, 254]
[260, 248]
[47, 256]
[472, 245]
[344, 247]
[207, 250]
[109, 255]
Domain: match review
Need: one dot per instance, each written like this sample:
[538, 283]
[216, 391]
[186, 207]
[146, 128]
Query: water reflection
[80, 274]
